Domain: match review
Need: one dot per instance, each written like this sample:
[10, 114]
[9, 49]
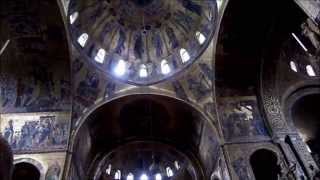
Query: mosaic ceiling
[141, 42]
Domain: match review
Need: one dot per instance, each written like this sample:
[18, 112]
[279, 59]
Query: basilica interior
[159, 90]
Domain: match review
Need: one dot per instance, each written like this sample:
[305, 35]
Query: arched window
[117, 175]
[144, 177]
[177, 165]
[130, 176]
[185, 56]
[143, 72]
[25, 171]
[310, 71]
[264, 164]
[293, 66]
[100, 56]
[169, 172]
[83, 39]
[200, 37]
[165, 68]
[120, 68]
[158, 176]
[108, 170]
[73, 17]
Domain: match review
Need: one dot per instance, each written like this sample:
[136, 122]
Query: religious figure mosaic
[36, 132]
[241, 118]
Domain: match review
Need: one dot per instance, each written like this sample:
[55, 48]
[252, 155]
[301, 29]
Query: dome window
[293, 66]
[120, 68]
[219, 4]
[184, 55]
[310, 71]
[309, 149]
[144, 177]
[130, 176]
[158, 176]
[108, 170]
[200, 37]
[83, 39]
[169, 172]
[100, 56]
[143, 73]
[117, 175]
[73, 17]
[165, 68]
[177, 165]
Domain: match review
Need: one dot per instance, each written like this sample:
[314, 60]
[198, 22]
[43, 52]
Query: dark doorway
[25, 171]
[264, 165]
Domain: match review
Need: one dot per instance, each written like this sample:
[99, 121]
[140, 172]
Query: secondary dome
[141, 41]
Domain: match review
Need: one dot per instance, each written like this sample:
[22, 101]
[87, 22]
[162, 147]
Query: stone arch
[29, 163]
[99, 103]
[207, 134]
[303, 117]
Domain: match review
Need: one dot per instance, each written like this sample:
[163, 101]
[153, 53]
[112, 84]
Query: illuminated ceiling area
[144, 161]
[141, 41]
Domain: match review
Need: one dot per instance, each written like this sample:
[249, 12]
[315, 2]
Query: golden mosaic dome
[141, 41]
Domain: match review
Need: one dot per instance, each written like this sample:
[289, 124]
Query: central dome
[141, 41]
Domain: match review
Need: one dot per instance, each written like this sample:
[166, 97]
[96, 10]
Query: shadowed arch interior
[306, 117]
[152, 118]
[25, 171]
[264, 164]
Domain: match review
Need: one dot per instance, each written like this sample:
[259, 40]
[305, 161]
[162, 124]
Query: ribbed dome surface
[141, 41]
